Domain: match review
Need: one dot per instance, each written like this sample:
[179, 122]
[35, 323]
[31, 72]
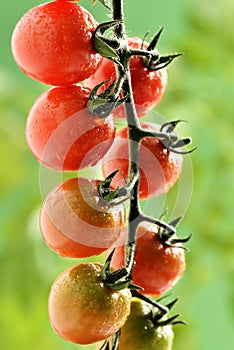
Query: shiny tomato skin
[82, 309]
[159, 167]
[140, 333]
[76, 223]
[62, 134]
[158, 267]
[52, 43]
[148, 85]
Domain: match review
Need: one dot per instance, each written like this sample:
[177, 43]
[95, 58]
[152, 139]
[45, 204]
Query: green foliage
[200, 90]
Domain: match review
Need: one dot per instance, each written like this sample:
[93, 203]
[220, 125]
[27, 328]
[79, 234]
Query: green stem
[118, 14]
[163, 309]
[133, 131]
[116, 341]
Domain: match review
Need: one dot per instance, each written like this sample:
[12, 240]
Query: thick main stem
[118, 15]
[133, 132]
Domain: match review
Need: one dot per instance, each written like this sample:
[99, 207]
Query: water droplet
[59, 155]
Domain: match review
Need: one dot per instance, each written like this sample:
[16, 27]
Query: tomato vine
[71, 126]
[135, 132]
[136, 135]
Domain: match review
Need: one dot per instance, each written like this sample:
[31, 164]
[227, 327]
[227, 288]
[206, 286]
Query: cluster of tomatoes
[53, 43]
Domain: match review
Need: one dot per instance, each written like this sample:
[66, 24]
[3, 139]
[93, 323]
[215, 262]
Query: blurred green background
[200, 90]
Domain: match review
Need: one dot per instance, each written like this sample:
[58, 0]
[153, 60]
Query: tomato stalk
[135, 133]
[123, 70]
[116, 49]
[121, 54]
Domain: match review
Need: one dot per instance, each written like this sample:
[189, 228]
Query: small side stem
[116, 341]
[142, 53]
[163, 309]
[167, 227]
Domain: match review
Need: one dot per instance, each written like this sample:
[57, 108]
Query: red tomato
[159, 167]
[148, 85]
[158, 267]
[52, 43]
[82, 309]
[62, 134]
[76, 223]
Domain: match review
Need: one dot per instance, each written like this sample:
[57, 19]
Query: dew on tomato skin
[159, 336]
[59, 155]
[38, 20]
[55, 103]
[73, 133]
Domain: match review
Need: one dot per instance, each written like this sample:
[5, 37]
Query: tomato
[148, 85]
[140, 332]
[82, 309]
[158, 267]
[52, 43]
[76, 223]
[62, 134]
[159, 167]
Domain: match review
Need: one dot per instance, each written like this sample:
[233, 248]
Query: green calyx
[107, 45]
[159, 314]
[118, 195]
[103, 104]
[173, 143]
[118, 279]
[154, 61]
[169, 238]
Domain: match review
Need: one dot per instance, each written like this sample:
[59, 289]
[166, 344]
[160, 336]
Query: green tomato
[140, 332]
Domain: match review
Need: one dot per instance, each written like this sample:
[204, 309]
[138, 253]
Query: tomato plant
[75, 222]
[148, 85]
[142, 332]
[158, 266]
[52, 43]
[62, 134]
[82, 309]
[71, 127]
[159, 167]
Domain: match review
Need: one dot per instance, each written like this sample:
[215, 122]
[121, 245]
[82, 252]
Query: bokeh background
[201, 91]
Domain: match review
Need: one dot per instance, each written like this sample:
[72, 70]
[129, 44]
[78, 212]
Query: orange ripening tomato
[75, 222]
[159, 167]
[52, 43]
[157, 267]
[82, 309]
[62, 134]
